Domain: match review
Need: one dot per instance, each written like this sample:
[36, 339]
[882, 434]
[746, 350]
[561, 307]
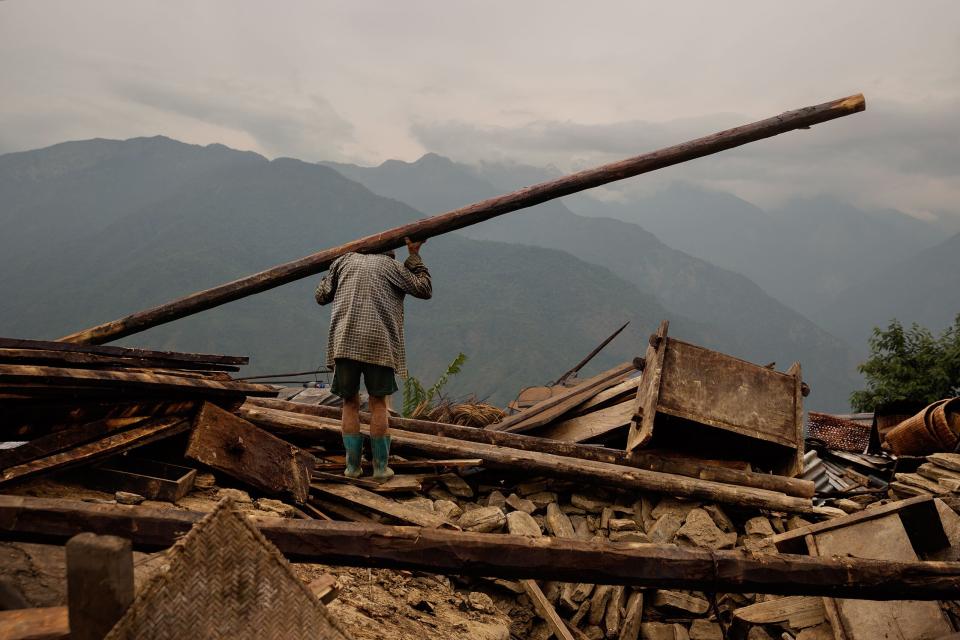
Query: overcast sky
[556, 83]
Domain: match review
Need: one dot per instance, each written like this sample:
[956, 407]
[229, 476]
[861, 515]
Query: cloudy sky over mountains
[567, 84]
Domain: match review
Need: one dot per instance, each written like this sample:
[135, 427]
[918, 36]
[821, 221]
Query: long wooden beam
[681, 466]
[470, 215]
[500, 555]
[587, 471]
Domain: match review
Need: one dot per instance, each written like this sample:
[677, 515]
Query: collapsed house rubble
[151, 494]
[543, 521]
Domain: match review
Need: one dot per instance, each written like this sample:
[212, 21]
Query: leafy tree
[417, 400]
[910, 365]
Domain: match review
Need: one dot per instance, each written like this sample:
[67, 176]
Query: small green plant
[910, 364]
[417, 400]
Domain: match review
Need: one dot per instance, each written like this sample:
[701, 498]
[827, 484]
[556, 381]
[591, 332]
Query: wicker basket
[224, 580]
[918, 435]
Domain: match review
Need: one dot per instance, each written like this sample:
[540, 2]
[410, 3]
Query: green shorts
[378, 379]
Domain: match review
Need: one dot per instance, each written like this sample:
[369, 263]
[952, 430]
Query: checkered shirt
[367, 292]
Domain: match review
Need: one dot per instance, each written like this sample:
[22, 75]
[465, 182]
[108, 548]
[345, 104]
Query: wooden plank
[469, 215]
[30, 519]
[829, 604]
[633, 617]
[123, 352]
[369, 500]
[615, 394]
[648, 392]
[342, 510]
[795, 468]
[792, 541]
[333, 467]
[590, 425]
[728, 393]
[326, 588]
[536, 462]
[555, 406]
[66, 439]
[882, 539]
[798, 612]
[545, 610]
[44, 623]
[243, 451]
[93, 360]
[38, 417]
[650, 460]
[114, 379]
[396, 484]
[142, 433]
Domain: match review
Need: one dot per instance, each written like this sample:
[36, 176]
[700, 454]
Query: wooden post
[470, 215]
[99, 583]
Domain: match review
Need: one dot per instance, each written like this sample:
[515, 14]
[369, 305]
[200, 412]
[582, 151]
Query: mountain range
[99, 228]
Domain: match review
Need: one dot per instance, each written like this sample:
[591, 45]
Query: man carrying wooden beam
[366, 338]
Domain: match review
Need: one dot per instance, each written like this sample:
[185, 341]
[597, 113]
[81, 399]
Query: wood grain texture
[464, 217]
[369, 500]
[230, 444]
[499, 555]
[590, 425]
[142, 433]
[44, 623]
[125, 352]
[128, 380]
[648, 392]
[713, 388]
[558, 404]
[545, 610]
[259, 410]
[524, 460]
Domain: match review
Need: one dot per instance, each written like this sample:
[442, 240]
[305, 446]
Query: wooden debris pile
[64, 405]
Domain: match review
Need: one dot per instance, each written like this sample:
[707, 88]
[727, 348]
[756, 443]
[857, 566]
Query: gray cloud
[893, 155]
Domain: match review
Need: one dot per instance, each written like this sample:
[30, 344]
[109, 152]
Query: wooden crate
[692, 397]
[151, 479]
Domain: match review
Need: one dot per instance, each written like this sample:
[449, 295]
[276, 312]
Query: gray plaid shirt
[367, 291]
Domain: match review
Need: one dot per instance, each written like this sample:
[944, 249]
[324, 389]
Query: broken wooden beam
[143, 433]
[177, 358]
[60, 376]
[356, 496]
[230, 444]
[43, 623]
[545, 610]
[320, 429]
[442, 551]
[470, 215]
[641, 460]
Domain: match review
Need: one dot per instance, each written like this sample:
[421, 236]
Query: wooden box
[693, 398]
[151, 479]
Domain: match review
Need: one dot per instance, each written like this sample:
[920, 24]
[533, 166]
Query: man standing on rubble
[366, 338]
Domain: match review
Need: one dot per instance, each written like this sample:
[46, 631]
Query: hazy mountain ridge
[743, 319]
[522, 314]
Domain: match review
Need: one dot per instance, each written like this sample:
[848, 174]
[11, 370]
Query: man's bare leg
[352, 440]
[378, 416]
[350, 416]
[379, 440]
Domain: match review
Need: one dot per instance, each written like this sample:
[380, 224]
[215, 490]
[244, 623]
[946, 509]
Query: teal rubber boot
[353, 443]
[381, 452]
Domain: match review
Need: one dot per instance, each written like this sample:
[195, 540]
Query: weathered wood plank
[44, 623]
[470, 215]
[65, 439]
[123, 352]
[615, 394]
[648, 391]
[798, 611]
[590, 425]
[650, 461]
[728, 393]
[555, 406]
[142, 433]
[443, 551]
[584, 470]
[232, 445]
[114, 379]
[546, 610]
[369, 500]
[95, 360]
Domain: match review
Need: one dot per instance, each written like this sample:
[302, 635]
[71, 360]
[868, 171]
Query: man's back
[367, 291]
